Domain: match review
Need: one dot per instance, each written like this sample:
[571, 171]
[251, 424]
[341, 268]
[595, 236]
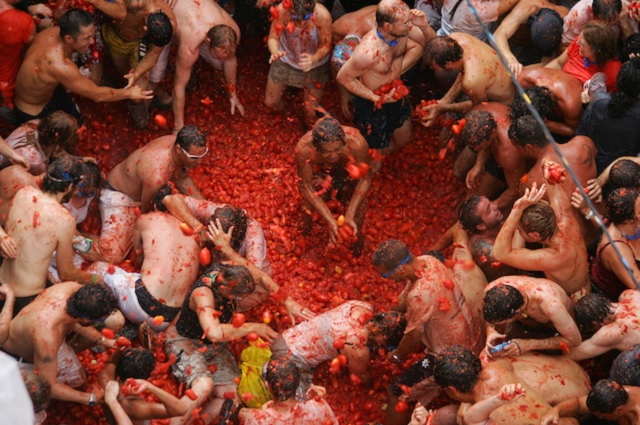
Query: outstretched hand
[531, 196]
[296, 310]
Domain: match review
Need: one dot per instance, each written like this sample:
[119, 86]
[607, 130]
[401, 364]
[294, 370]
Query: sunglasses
[194, 157]
[388, 274]
[304, 18]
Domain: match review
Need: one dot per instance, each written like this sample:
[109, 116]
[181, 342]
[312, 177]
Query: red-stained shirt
[311, 412]
[575, 66]
[16, 28]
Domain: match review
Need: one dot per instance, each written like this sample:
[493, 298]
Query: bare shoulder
[304, 146]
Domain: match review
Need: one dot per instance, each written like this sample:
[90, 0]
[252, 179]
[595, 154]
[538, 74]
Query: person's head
[631, 48]
[90, 181]
[591, 312]
[443, 53]
[393, 17]
[282, 377]
[386, 329]
[191, 145]
[92, 302]
[628, 88]
[159, 29]
[477, 214]
[222, 41]
[607, 10]
[328, 138]
[605, 397]
[479, 130]
[541, 99]
[158, 198]
[58, 133]
[232, 216]
[624, 173]
[623, 206]
[546, 31]
[77, 29]
[501, 303]
[526, 134]
[136, 363]
[597, 42]
[63, 175]
[625, 369]
[232, 281]
[538, 223]
[302, 12]
[391, 259]
[456, 369]
[39, 389]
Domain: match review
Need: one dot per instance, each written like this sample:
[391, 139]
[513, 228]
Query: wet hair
[540, 218]
[39, 389]
[442, 51]
[621, 205]
[437, 254]
[590, 313]
[479, 127]
[628, 89]
[390, 324]
[136, 363]
[58, 131]
[232, 216]
[162, 193]
[390, 253]
[63, 171]
[92, 301]
[457, 367]
[159, 29]
[606, 10]
[625, 369]
[303, 7]
[72, 21]
[326, 130]
[602, 40]
[631, 47]
[624, 173]
[91, 178]
[501, 303]
[467, 215]
[236, 279]
[283, 377]
[223, 36]
[191, 135]
[541, 99]
[606, 396]
[525, 130]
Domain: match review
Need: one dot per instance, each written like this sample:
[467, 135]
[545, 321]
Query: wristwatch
[92, 400]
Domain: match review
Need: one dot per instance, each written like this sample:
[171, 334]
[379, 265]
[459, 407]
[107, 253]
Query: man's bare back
[12, 179]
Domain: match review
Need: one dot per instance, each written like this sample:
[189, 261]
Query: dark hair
[58, 131]
[63, 171]
[606, 396]
[467, 215]
[438, 255]
[624, 173]
[631, 47]
[326, 130]
[39, 389]
[236, 279]
[159, 29]
[628, 89]
[223, 36]
[539, 218]
[457, 367]
[232, 216]
[390, 253]
[479, 127]
[625, 369]
[390, 324]
[606, 10]
[191, 135]
[501, 303]
[525, 130]
[541, 99]
[442, 51]
[302, 7]
[602, 40]
[162, 193]
[621, 205]
[386, 12]
[136, 363]
[72, 21]
[92, 301]
[283, 377]
[590, 313]
[91, 178]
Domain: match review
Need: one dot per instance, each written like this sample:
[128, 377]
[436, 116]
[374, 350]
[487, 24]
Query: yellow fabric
[118, 47]
[252, 389]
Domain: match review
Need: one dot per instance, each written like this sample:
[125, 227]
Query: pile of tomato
[251, 165]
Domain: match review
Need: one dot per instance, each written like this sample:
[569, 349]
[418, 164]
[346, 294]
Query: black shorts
[60, 101]
[493, 168]
[377, 125]
[152, 306]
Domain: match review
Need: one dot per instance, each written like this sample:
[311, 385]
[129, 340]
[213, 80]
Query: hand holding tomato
[510, 392]
[553, 172]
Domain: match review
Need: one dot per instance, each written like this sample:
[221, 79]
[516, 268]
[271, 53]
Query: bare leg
[203, 387]
[273, 96]
[401, 137]
[212, 409]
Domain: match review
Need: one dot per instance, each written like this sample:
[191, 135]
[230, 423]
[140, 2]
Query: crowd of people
[539, 273]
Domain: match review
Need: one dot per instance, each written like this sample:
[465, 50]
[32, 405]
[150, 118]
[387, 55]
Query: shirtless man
[579, 152]
[327, 153]
[132, 184]
[565, 91]
[535, 311]
[481, 74]
[12, 179]
[204, 29]
[545, 380]
[38, 335]
[36, 226]
[47, 70]
[383, 55]
[563, 256]
[615, 324]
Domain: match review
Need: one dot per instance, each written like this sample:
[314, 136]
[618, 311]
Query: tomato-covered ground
[251, 165]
